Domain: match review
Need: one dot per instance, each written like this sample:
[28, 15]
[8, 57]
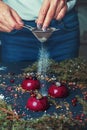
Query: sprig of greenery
[70, 70]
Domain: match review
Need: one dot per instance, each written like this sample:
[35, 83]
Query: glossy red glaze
[35, 104]
[30, 84]
[58, 91]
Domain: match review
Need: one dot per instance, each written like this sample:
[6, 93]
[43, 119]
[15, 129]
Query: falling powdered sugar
[43, 65]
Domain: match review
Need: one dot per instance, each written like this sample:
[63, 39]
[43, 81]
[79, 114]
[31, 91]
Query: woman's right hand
[9, 19]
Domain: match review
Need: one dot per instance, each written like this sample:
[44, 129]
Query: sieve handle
[28, 27]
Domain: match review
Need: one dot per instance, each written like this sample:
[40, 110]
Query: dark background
[82, 14]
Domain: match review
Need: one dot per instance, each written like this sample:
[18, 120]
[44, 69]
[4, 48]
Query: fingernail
[39, 26]
[21, 22]
[44, 29]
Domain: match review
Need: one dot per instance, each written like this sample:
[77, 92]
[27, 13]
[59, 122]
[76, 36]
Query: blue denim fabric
[22, 45]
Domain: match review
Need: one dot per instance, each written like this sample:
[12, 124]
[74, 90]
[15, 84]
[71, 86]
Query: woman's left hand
[51, 9]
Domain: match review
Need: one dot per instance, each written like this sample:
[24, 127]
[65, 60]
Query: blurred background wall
[82, 14]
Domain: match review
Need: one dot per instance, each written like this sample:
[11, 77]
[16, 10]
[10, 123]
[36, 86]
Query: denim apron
[22, 45]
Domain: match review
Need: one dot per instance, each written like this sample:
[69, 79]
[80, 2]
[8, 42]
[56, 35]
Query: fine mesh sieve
[41, 35]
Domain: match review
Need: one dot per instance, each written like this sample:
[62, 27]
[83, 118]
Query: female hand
[9, 19]
[51, 9]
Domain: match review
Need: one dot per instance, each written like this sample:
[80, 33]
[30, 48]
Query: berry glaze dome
[58, 90]
[35, 103]
[30, 83]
